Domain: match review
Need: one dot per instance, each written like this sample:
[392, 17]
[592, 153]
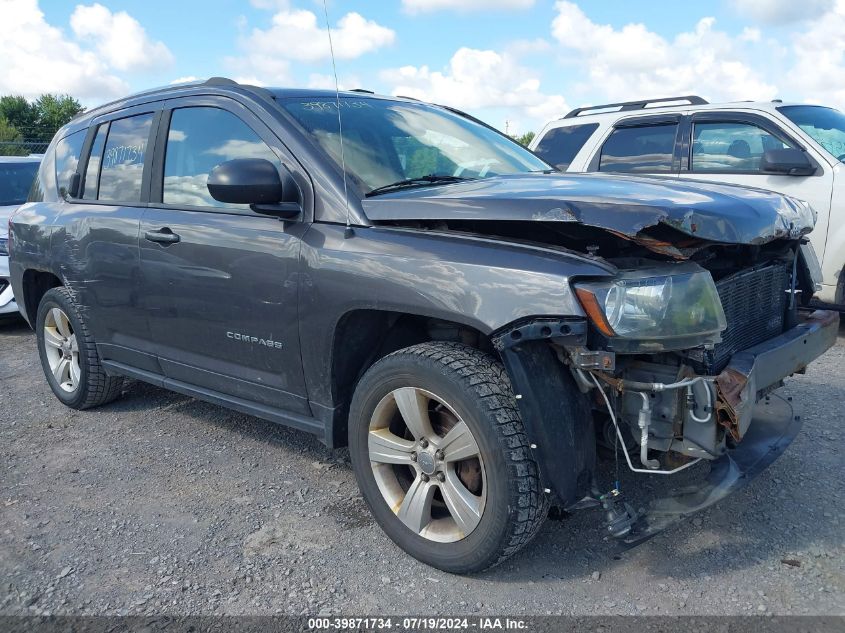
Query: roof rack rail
[364, 90]
[636, 105]
[219, 81]
[211, 81]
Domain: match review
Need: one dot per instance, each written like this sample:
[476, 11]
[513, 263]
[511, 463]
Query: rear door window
[644, 149]
[122, 166]
[559, 146]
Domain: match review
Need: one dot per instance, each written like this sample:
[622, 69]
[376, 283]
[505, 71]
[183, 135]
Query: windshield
[825, 126]
[386, 143]
[15, 181]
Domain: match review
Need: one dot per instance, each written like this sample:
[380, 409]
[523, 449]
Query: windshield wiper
[419, 181]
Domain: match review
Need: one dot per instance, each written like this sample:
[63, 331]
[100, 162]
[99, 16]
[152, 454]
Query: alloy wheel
[62, 350]
[427, 464]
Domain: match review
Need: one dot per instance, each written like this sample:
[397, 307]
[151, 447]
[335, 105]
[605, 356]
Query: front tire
[68, 355]
[442, 459]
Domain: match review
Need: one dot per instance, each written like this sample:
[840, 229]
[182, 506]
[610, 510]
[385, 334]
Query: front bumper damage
[763, 424]
[760, 423]
[754, 372]
[773, 426]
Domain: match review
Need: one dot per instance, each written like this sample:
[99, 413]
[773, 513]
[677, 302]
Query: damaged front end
[678, 362]
[699, 313]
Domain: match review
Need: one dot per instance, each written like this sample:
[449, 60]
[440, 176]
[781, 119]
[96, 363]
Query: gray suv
[400, 278]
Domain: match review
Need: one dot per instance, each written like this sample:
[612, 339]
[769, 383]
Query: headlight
[652, 310]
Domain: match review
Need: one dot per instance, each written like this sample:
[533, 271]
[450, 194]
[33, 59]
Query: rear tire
[460, 473]
[69, 356]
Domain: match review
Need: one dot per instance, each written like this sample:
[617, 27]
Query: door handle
[163, 236]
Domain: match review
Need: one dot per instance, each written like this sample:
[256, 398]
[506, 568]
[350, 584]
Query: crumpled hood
[622, 204]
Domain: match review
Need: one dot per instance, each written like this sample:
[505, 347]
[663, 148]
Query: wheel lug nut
[424, 477]
[441, 477]
[424, 443]
[413, 457]
[439, 454]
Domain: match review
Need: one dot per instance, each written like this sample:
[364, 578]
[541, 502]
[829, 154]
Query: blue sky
[511, 62]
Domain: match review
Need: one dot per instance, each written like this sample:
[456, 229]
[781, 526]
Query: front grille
[754, 302]
[3, 284]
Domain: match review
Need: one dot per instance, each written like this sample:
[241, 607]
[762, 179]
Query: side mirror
[788, 162]
[245, 181]
[252, 181]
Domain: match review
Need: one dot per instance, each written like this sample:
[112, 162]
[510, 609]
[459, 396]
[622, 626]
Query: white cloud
[781, 11]
[634, 62]
[119, 38]
[183, 80]
[300, 35]
[260, 70]
[38, 57]
[428, 6]
[818, 72]
[750, 34]
[250, 81]
[480, 79]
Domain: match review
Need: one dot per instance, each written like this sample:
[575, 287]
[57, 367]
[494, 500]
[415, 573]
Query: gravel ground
[159, 503]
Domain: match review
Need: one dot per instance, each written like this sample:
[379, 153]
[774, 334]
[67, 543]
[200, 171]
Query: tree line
[26, 124]
[523, 139]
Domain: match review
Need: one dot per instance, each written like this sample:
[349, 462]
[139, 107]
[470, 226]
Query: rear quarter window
[561, 145]
[68, 151]
[644, 149]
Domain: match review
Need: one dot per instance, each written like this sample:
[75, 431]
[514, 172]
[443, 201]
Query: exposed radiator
[754, 301]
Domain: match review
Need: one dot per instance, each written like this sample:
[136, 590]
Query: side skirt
[293, 420]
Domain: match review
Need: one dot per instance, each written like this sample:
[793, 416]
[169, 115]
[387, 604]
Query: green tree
[19, 113]
[10, 140]
[39, 120]
[524, 139]
[53, 112]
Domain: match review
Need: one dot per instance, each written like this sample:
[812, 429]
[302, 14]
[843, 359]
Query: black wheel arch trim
[556, 417]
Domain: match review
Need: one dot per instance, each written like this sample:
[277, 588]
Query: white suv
[16, 176]
[795, 149]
